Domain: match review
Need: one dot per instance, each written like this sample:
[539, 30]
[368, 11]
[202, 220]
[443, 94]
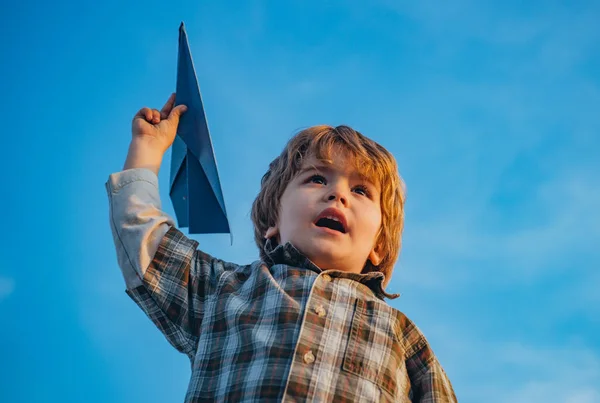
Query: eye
[362, 190]
[319, 179]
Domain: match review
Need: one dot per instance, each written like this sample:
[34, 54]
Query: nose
[335, 194]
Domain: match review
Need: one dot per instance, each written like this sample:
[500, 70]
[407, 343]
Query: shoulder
[407, 332]
[233, 272]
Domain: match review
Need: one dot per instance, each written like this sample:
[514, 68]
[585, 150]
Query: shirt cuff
[118, 180]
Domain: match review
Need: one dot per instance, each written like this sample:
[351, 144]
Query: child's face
[319, 195]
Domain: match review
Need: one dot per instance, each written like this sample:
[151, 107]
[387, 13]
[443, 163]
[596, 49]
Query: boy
[308, 321]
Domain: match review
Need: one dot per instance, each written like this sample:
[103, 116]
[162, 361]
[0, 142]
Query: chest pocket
[374, 351]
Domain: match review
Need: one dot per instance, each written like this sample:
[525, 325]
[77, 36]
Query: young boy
[308, 321]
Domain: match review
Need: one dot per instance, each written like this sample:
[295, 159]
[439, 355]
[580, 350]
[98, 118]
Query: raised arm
[164, 272]
[136, 218]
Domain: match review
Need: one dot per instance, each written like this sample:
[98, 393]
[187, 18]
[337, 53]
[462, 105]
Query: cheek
[290, 214]
[372, 222]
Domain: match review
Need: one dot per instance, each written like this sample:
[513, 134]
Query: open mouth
[333, 219]
[331, 224]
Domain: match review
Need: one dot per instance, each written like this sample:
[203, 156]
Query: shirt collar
[289, 255]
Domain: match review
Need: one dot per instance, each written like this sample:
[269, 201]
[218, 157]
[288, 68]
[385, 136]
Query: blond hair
[371, 159]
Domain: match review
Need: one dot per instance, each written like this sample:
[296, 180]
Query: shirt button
[326, 277]
[320, 311]
[309, 358]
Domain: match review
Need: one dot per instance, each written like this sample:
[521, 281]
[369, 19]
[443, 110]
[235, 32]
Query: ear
[375, 256]
[271, 232]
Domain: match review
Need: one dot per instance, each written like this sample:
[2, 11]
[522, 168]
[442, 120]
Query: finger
[166, 110]
[155, 116]
[144, 113]
[176, 114]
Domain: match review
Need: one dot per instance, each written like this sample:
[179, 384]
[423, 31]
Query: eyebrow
[315, 167]
[327, 169]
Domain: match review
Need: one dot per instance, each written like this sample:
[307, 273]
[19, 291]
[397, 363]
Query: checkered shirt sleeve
[175, 287]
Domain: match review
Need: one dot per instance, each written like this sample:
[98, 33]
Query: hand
[156, 128]
[153, 132]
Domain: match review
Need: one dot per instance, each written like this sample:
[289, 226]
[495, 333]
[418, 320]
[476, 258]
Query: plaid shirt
[268, 331]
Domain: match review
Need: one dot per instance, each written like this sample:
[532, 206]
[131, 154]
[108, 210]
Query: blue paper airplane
[195, 187]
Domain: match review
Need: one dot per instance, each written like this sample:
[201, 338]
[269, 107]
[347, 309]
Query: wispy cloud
[572, 226]
[560, 374]
[456, 250]
[499, 371]
[552, 391]
[465, 19]
[7, 287]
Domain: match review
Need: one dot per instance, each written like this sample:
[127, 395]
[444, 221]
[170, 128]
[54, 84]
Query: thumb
[176, 114]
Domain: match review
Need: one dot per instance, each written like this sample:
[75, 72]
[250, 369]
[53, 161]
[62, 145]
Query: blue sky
[491, 112]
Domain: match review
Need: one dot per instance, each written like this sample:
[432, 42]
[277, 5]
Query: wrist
[144, 153]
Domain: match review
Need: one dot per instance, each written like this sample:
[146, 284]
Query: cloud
[552, 392]
[561, 239]
[499, 371]
[573, 29]
[554, 374]
[7, 287]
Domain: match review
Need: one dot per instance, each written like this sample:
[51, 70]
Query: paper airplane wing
[195, 188]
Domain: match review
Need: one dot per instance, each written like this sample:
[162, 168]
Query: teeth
[341, 227]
